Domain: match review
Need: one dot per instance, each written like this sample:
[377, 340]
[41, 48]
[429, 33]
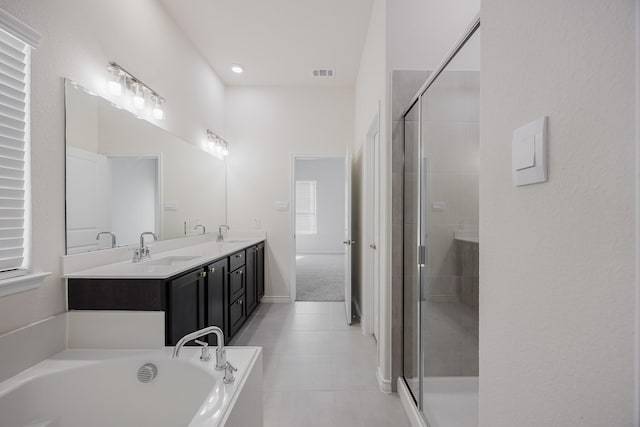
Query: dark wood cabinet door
[251, 293]
[260, 271]
[237, 315]
[236, 284]
[216, 286]
[186, 312]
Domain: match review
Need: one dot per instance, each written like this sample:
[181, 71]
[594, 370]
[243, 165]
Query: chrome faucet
[221, 352]
[220, 236]
[142, 253]
[113, 237]
[204, 229]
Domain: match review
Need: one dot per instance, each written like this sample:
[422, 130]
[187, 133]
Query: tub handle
[229, 369]
[205, 356]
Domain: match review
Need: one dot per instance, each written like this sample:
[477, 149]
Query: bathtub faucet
[221, 353]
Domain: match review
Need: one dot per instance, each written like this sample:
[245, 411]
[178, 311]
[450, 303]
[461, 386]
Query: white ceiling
[278, 42]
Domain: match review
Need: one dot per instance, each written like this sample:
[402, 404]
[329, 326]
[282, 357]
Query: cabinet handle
[203, 274]
[238, 256]
[212, 270]
[240, 301]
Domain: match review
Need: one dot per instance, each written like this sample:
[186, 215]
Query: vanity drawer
[236, 315]
[236, 284]
[236, 260]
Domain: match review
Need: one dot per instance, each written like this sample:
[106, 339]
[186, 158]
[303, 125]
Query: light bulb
[115, 88]
[225, 151]
[237, 69]
[138, 97]
[158, 112]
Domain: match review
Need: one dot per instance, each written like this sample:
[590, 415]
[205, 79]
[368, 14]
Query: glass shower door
[448, 227]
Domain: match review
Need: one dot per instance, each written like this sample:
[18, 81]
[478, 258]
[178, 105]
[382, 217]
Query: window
[306, 213]
[16, 42]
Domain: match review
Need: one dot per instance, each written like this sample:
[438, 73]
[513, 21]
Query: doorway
[319, 206]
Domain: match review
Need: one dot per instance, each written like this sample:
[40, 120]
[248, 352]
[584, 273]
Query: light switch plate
[282, 205]
[529, 153]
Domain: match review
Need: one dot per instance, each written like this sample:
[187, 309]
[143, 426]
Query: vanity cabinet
[220, 293]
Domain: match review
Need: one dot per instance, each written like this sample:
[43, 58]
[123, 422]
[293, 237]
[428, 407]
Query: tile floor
[318, 371]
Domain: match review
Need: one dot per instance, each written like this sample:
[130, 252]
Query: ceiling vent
[324, 73]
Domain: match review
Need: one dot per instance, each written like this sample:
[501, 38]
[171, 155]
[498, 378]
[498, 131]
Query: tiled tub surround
[186, 391]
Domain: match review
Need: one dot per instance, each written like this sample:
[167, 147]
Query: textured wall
[557, 259]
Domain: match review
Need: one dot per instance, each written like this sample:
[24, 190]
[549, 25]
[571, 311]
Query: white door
[347, 235]
[371, 224]
[88, 200]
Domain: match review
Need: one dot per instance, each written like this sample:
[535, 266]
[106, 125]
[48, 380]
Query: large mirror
[126, 176]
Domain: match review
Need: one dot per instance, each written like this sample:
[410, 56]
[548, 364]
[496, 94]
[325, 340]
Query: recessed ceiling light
[237, 68]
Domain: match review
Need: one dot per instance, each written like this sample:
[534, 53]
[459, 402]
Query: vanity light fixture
[121, 82]
[217, 144]
[237, 69]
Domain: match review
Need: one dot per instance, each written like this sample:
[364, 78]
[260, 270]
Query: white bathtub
[96, 388]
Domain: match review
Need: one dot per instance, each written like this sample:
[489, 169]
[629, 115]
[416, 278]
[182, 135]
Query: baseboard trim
[276, 299]
[409, 406]
[383, 384]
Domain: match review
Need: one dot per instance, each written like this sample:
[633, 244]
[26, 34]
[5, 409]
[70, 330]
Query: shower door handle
[422, 255]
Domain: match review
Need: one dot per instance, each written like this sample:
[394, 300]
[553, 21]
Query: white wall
[266, 125]
[79, 37]
[329, 176]
[371, 100]
[421, 32]
[557, 259]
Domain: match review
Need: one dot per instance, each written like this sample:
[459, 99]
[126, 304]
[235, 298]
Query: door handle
[373, 246]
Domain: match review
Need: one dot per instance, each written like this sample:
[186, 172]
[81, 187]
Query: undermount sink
[172, 260]
[232, 241]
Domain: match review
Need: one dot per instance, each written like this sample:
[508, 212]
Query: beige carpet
[320, 277]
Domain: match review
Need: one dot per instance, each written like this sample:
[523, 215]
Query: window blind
[306, 216]
[14, 104]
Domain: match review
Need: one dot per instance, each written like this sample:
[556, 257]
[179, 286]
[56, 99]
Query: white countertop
[204, 253]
